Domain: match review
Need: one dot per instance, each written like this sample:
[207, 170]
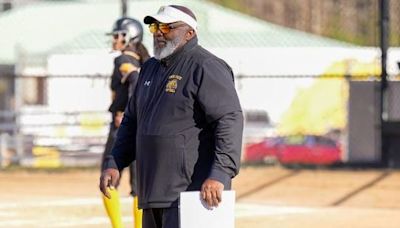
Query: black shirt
[123, 84]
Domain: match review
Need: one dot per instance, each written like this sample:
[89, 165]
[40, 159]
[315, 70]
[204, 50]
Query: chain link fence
[297, 97]
[49, 119]
[319, 104]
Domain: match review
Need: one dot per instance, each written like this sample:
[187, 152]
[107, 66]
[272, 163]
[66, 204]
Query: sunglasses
[164, 28]
[117, 35]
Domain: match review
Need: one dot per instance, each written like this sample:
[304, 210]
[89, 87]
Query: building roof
[75, 26]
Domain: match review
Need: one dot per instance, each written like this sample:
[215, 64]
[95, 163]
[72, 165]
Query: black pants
[160, 218]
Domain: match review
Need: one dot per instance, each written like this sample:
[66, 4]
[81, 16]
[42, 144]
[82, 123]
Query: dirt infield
[266, 197]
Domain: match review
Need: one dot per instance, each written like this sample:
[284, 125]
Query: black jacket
[183, 125]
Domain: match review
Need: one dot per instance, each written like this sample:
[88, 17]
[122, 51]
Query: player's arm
[128, 72]
[118, 118]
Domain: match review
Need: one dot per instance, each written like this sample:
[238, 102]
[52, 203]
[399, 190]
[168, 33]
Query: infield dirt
[267, 196]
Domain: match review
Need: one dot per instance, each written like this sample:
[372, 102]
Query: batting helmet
[131, 28]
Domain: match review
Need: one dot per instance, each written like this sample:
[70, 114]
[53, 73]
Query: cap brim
[159, 18]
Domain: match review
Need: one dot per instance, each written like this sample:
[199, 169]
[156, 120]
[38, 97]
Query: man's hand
[211, 192]
[109, 178]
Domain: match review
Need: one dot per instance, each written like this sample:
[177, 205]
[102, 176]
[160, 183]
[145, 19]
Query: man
[127, 36]
[183, 125]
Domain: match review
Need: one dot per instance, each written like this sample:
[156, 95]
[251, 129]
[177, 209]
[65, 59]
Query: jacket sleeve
[220, 103]
[124, 149]
[133, 80]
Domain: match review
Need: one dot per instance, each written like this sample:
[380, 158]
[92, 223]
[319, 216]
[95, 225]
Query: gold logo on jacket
[172, 83]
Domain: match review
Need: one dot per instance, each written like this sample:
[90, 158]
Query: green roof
[75, 26]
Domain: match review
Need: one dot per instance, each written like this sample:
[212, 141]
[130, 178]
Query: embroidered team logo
[172, 83]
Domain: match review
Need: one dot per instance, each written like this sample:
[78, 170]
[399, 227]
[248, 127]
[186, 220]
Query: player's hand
[118, 119]
[109, 179]
[211, 192]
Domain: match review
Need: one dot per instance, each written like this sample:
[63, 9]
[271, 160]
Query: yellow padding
[137, 213]
[113, 208]
[127, 68]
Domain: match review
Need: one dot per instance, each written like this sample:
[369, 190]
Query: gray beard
[170, 47]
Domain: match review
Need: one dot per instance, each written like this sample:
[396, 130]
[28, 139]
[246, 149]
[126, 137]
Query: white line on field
[19, 222]
[91, 221]
[60, 203]
[7, 214]
[62, 223]
[251, 210]
[241, 210]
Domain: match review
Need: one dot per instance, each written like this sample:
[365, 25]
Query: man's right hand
[109, 179]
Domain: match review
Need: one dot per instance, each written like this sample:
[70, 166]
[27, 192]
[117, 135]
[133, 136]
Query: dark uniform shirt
[122, 83]
[183, 125]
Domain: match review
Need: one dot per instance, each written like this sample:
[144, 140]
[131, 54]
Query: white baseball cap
[173, 13]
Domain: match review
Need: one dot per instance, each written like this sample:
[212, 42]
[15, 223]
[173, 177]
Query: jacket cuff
[221, 176]
[109, 162]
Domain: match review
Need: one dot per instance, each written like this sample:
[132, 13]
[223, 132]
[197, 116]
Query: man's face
[168, 37]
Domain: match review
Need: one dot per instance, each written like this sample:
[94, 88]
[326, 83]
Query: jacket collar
[167, 61]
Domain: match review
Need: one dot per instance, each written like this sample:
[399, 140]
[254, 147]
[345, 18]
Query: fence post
[384, 44]
[3, 147]
[124, 7]
[19, 147]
